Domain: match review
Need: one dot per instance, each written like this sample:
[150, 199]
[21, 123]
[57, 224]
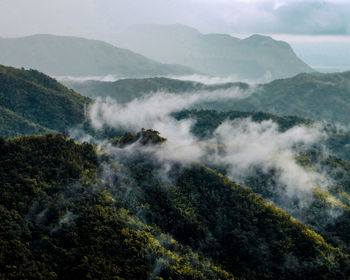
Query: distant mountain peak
[74, 56]
[253, 58]
[258, 37]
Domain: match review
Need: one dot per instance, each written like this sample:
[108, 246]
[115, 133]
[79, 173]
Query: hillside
[66, 218]
[33, 103]
[128, 89]
[324, 97]
[254, 58]
[64, 56]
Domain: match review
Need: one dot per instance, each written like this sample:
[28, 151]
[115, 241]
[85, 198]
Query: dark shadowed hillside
[64, 219]
[33, 103]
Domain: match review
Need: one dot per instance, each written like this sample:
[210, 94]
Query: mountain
[324, 97]
[64, 56]
[254, 58]
[316, 96]
[126, 90]
[65, 216]
[130, 208]
[33, 103]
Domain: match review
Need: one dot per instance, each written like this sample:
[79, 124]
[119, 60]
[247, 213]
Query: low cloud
[251, 146]
[210, 80]
[245, 146]
[106, 78]
[154, 111]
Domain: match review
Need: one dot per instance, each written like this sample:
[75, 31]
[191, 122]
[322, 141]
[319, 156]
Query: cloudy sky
[104, 17]
[300, 22]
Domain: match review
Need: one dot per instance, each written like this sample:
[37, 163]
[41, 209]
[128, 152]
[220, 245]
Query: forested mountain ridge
[254, 58]
[125, 90]
[65, 219]
[32, 102]
[323, 97]
[64, 56]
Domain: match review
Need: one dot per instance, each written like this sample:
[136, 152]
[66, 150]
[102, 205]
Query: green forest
[34, 103]
[112, 207]
[63, 219]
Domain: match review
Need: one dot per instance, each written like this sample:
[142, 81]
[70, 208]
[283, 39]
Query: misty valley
[171, 155]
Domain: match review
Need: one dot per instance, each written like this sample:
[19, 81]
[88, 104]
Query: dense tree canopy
[33, 103]
[69, 213]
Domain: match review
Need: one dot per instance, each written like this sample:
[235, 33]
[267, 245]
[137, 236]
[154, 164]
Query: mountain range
[165, 50]
[254, 58]
[125, 90]
[322, 97]
[129, 207]
[73, 56]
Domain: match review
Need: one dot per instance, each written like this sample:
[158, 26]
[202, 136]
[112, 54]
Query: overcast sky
[103, 18]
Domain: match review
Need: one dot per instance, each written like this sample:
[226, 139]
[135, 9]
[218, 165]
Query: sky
[103, 17]
[303, 23]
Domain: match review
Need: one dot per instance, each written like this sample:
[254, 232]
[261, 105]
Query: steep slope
[328, 212]
[32, 103]
[324, 97]
[256, 57]
[13, 125]
[61, 56]
[127, 89]
[69, 215]
[59, 222]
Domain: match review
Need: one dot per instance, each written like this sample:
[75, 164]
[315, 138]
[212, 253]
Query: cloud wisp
[251, 146]
[154, 111]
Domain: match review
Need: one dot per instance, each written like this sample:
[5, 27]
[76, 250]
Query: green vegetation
[328, 212]
[75, 211]
[67, 213]
[128, 89]
[323, 97]
[33, 103]
[59, 221]
[13, 125]
[63, 56]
